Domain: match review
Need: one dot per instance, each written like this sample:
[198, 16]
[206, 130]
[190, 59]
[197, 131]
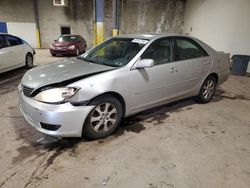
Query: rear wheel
[207, 90]
[85, 49]
[104, 119]
[29, 60]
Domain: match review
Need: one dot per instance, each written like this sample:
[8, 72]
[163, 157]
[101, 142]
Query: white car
[14, 53]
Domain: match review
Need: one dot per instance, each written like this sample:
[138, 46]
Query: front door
[152, 85]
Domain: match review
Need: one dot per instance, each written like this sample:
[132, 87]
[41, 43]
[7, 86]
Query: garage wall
[16, 11]
[18, 17]
[26, 31]
[152, 16]
[223, 24]
[137, 16]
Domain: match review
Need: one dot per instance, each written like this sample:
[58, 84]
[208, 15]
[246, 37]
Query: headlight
[72, 47]
[56, 95]
[51, 46]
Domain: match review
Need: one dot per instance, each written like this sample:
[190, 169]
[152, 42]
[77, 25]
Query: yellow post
[115, 32]
[99, 32]
[99, 18]
[38, 38]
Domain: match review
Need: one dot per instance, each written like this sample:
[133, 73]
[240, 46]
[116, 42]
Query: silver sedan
[91, 94]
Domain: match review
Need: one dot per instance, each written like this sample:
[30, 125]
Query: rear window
[13, 41]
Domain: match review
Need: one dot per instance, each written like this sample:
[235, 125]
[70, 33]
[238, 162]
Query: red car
[68, 45]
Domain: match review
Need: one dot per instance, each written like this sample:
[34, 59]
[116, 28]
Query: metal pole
[36, 16]
[116, 10]
[99, 12]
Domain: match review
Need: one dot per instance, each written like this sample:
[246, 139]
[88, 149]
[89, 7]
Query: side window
[14, 41]
[188, 49]
[3, 42]
[160, 51]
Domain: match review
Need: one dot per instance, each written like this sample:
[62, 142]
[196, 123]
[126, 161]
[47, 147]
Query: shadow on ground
[10, 80]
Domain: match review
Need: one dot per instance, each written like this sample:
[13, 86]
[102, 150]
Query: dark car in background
[68, 45]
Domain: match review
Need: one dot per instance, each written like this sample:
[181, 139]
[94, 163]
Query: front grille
[27, 91]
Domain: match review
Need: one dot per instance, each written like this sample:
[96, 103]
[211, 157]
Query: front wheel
[29, 60]
[207, 90]
[85, 49]
[77, 52]
[104, 119]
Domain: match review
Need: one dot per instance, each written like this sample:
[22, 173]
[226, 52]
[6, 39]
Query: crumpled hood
[60, 71]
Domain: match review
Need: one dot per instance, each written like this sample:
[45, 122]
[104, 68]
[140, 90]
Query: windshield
[115, 52]
[67, 39]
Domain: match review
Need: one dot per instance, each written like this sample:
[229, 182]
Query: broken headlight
[56, 95]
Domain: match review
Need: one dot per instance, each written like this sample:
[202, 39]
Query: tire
[99, 123]
[29, 61]
[53, 55]
[85, 49]
[207, 90]
[77, 52]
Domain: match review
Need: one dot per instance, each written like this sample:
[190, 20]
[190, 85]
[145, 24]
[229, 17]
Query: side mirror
[144, 63]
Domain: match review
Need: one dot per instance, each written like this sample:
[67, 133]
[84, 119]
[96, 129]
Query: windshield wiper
[87, 60]
[110, 65]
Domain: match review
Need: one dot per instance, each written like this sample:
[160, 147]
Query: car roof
[150, 36]
[8, 34]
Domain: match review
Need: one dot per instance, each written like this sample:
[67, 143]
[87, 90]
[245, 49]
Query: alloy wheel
[29, 61]
[103, 117]
[208, 89]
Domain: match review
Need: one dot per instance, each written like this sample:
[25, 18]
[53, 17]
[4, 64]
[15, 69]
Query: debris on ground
[86, 178]
[105, 180]
[47, 140]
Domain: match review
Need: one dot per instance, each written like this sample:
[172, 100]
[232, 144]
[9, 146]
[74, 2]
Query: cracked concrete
[182, 144]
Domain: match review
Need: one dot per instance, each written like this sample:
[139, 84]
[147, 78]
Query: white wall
[223, 24]
[26, 31]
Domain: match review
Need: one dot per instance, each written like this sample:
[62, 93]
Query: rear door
[191, 60]
[5, 54]
[17, 50]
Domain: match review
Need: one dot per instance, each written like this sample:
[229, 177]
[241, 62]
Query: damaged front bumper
[57, 120]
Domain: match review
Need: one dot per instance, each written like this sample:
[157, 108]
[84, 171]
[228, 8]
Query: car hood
[61, 71]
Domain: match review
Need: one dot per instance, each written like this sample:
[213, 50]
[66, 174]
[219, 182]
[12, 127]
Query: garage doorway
[65, 30]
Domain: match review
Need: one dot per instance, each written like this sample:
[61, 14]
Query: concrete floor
[179, 145]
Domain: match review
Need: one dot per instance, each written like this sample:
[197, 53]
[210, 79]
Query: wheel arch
[215, 75]
[29, 53]
[117, 96]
